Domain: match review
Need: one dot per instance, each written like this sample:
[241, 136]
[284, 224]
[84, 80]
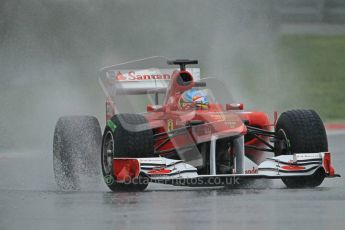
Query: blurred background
[273, 55]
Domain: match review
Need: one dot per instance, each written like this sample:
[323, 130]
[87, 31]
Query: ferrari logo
[170, 125]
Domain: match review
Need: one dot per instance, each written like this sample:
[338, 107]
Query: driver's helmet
[193, 98]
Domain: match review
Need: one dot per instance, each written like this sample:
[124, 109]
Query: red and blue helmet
[193, 98]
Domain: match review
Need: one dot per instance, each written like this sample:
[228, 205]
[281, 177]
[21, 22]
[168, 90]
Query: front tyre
[126, 135]
[76, 145]
[301, 131]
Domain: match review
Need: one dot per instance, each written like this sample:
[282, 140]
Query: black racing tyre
[126, 135]
[76, 147]
[224, 160]
[301, 131]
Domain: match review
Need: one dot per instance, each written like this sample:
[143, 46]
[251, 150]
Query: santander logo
[120, 77]
[141, 76]
[251, 171]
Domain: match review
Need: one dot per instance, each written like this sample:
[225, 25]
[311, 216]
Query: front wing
[177, 172]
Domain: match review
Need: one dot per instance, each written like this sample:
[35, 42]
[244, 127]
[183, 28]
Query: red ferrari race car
[185, 137]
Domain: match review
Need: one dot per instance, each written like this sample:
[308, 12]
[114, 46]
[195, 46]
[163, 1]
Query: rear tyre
[76, 145]
[126, 135]
[301, 131]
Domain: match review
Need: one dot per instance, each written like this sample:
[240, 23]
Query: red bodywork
[220, 120]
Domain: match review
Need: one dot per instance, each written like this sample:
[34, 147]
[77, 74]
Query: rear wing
[138, 81]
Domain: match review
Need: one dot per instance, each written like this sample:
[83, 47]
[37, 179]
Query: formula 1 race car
[186, 137]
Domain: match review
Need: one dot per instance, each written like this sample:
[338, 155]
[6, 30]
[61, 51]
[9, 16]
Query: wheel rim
[108, 152]
[282, 143]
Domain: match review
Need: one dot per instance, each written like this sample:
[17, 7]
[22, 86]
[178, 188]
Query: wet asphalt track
[29, 200]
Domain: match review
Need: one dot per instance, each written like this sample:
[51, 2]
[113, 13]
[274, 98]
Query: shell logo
[170, 125]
